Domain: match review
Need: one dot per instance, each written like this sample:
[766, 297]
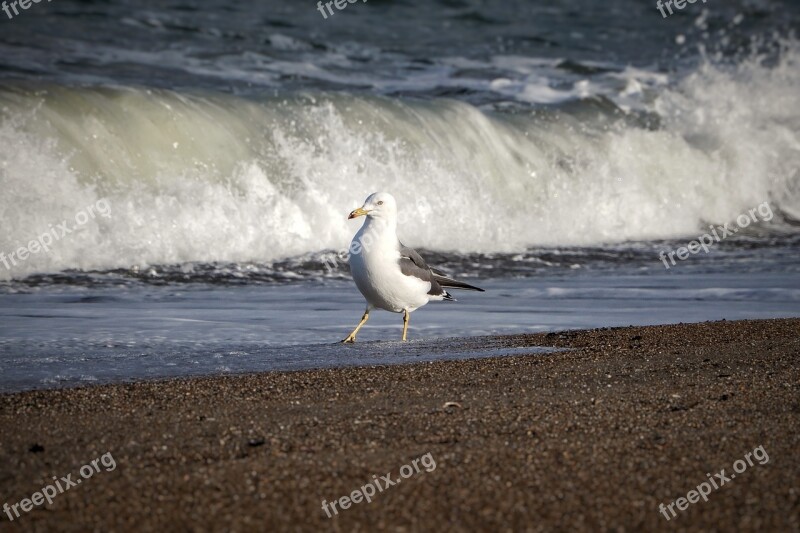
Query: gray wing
[412, 264]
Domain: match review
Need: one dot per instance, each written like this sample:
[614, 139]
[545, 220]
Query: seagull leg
[405, 323]
[352, 337]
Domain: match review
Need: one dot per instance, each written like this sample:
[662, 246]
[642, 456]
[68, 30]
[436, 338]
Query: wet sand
[593, 438]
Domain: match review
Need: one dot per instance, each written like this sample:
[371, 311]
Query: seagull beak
[355, 213]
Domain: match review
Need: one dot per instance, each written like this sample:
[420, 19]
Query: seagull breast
[386, 277]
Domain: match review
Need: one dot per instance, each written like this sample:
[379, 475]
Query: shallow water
[67, 335]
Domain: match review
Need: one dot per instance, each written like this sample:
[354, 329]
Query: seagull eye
[380, 203]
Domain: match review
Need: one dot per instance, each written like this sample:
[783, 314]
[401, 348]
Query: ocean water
[185, 171]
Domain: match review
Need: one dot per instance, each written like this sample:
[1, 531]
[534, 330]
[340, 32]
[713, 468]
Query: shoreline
[595, 437]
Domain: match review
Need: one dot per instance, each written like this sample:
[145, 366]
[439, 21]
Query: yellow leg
[352, 337]
[405, 323]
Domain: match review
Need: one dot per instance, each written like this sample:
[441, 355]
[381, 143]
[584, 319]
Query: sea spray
[211, 178]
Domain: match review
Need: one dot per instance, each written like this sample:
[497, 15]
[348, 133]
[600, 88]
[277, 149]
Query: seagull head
[377, 205]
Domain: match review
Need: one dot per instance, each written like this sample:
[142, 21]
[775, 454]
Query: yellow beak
[355, 213]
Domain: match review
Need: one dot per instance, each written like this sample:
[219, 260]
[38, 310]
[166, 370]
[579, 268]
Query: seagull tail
[450, 283]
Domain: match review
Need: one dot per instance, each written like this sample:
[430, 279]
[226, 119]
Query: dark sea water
[190, 167]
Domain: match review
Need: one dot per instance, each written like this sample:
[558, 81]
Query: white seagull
[389, 275]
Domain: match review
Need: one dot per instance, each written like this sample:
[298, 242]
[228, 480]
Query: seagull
[392, 276]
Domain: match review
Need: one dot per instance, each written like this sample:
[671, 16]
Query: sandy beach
[595, 437]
